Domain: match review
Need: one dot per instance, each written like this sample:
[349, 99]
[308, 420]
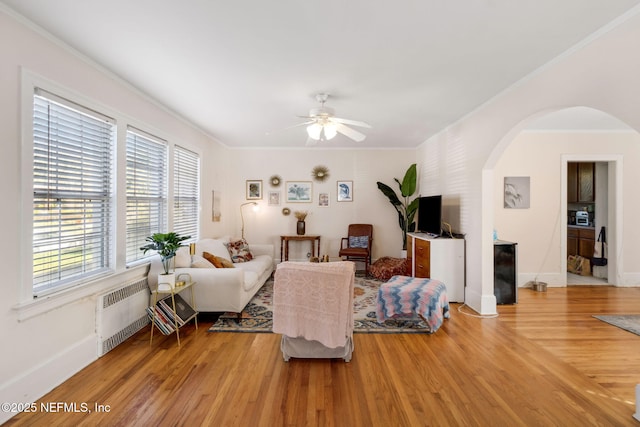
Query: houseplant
[166, 244]
[405, 207]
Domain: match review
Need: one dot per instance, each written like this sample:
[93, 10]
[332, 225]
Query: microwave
[582, 218]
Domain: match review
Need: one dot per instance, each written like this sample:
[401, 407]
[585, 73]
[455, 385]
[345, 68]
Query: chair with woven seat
[357, 246]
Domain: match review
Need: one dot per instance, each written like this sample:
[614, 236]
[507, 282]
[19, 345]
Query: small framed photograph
[345, 191]
[299, 191]
[323, 200]
[517, 192]
[274, 198]
[254, 189]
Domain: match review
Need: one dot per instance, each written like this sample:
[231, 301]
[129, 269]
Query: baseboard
[552, 280]
[40, 380]
[481, 304]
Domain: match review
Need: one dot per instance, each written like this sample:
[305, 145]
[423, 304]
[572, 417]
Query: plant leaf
[409, 181]
[391, 195]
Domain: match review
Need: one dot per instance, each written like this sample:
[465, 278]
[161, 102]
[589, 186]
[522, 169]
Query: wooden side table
[284, 245]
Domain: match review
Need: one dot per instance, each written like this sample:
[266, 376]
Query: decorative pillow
[358, 241]
[212, 259]
[199, 262]
[217, 261]
[239, 251]
[182, 258]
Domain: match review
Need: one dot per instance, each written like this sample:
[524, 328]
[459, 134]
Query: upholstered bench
[386, 267]
[404, 296]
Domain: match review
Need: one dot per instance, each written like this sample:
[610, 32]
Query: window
[186, 192]
[72, 192]
[146, 190]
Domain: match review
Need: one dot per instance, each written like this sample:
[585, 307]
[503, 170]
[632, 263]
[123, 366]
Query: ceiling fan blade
[350, 122]
[290, 127]
[350, 133]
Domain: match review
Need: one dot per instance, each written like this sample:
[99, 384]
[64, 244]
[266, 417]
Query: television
[430, 215]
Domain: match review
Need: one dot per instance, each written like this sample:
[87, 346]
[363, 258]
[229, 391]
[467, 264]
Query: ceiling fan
[323, 125]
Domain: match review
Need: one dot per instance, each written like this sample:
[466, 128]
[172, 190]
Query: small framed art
[274, 198]
[323, 200]
[345, 191]
[254, 189]
[299, 191]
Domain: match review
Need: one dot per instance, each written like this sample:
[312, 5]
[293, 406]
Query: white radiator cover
[121, 313]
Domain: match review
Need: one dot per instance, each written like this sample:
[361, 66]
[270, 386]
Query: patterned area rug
[628, 322]
[258, 316]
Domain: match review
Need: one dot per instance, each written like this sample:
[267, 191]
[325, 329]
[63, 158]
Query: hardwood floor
[543, 361]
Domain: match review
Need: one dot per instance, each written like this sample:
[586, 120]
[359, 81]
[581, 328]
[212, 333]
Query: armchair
[357, 246]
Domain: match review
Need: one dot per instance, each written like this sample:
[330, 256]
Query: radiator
[120, 314]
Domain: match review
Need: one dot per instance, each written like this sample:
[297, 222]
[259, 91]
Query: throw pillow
[239, 251]
[199, 262]
[182, 258]
[212, 259]
[217, 261]
[358, 241]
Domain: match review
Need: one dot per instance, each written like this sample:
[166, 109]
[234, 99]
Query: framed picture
[345, 191]
[323, 200]
[517, 192]
[299, 191]
[254, 189]
[274, 198]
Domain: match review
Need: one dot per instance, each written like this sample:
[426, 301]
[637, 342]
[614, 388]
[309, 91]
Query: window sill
[37, 306]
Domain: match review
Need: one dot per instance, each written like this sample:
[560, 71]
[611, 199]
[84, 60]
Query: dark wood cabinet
[581, 186]
[580, 241]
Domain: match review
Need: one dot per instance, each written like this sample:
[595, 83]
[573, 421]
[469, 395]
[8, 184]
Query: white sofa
[221, 289]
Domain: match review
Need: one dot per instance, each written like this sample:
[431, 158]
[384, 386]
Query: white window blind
[146, 190]
[186, 192]
[72, 200]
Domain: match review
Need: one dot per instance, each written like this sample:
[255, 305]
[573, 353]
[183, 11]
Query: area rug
[258, 315]
[628, 322]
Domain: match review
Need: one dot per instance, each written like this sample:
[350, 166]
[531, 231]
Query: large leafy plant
[405, 207]
[166, 244]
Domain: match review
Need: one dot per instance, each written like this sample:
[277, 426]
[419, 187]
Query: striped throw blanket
[404, 296]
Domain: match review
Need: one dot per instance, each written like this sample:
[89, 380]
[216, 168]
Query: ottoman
[404, 296]
[386, 267]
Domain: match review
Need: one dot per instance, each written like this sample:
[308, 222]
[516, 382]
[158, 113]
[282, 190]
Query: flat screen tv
[430, 215]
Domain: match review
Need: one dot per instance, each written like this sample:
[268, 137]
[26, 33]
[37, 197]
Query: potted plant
[405, 207]
[166, 244]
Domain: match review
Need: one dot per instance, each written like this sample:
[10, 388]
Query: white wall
[539, 229]
[601, 73]
[369, 205]
[46, 341]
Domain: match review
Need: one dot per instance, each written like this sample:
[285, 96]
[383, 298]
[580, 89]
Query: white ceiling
[242, 70]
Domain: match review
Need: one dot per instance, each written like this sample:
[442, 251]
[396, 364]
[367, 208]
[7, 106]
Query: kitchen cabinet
[438, 258]
[581, 186]
[580, 241]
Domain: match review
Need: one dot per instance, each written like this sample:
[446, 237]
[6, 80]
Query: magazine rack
[169, 311]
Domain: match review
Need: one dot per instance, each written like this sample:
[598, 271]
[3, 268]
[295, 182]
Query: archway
[542, 231]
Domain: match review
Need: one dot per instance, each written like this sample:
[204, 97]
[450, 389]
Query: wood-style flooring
[543, 361]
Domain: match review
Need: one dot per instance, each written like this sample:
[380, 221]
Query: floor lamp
[255, 208]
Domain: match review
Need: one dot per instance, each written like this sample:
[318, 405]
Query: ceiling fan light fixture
[314, 131]
[330, 130]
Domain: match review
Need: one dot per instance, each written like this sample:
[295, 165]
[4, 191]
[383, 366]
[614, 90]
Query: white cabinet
[438, 258]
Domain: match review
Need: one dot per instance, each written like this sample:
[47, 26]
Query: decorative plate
[286, 211]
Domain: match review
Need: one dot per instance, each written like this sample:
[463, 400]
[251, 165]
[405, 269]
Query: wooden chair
[357, 246]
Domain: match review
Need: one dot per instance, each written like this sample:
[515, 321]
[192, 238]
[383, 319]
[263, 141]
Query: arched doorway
[540, 149]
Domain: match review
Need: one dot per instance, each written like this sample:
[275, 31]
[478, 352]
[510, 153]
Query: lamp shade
[314, 131]
[329, 130]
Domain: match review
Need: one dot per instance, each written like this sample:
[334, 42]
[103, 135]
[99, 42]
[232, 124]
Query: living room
[53, 338]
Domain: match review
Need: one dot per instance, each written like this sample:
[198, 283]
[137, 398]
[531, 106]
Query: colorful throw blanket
[404, 296]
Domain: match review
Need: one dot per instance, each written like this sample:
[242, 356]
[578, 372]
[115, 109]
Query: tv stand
[440, 259]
